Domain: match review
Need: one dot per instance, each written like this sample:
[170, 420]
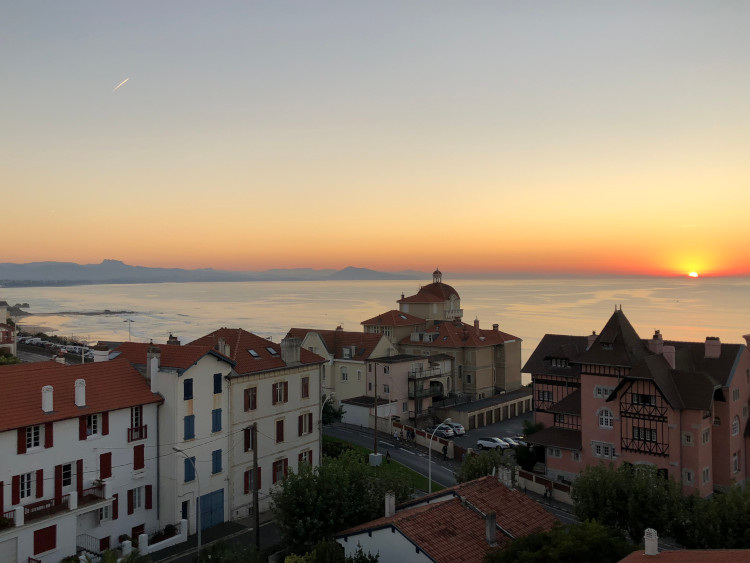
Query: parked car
[492, 444]
[513, 443]
[443, 432]
[458, 429]
[521, 440]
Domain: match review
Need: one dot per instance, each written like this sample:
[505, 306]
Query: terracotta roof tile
[336, 340]
[171, 356]
[109, 385]
[557, 437]
[691, 556]
[394, 318]
[457, 334]
[431, 293]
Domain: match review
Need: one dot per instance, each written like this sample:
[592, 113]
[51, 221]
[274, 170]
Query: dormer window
[254, 354]
[560, 362]
[607, 346]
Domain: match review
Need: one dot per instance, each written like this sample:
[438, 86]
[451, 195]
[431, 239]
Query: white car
[458, 429]
[492, 444]
[513, 443]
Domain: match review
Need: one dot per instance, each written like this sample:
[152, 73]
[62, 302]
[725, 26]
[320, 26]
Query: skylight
[254, 354]
[403, 317]
[272, 351]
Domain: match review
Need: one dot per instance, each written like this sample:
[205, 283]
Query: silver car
[458, 429]
[492, 444]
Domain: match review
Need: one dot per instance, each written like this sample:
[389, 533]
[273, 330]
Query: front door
[212, 509]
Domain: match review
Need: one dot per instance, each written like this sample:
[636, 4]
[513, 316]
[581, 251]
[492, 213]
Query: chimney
[466, 334]
[668, 352]
[390, 504]
[47, 398]
[80, 392]
[489, 528]
[747, 340]
[651, 540]
[153, 358]
[221, 345]
[656, 343]
[591, 339]
[476, 323]
[60, 358]
[290, 350]
[495, 327]
[101, 353]
[173, 340]
[713, 347]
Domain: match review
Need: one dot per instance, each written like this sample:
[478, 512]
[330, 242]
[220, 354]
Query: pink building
[614, 397]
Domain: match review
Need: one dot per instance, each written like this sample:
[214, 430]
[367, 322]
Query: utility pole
[375, 448]
[256, 509]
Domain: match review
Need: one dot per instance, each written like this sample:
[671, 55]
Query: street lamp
[429, 456]
[129, 321]
[198, 498]
[320, 436]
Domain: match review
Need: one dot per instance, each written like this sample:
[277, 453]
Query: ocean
[682, 308]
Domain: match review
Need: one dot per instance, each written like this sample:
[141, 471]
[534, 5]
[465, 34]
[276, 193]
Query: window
[33, 436]
[189, 427]
[602, 392]
[137, 498]
[645, 434]
[359, 375]
[279, 469]
[344, 374]
[136, 417]
[554, 452]
[643, 399]
[606, 420]
[217, 383]
[254, 354]
[386, 388]
[735, 394]
[705, 436]
[105, 513]
[305, 424]
[468, 377]
[279, 431]
[559, 418]
[305, 392]
[92, 425]
[251, 398]
[305, 456]
[189, 469]
[404, 406]
[736, 426]
[576, 456]
[736, 462]
[280, 392]
[603, 449]
[717, 421]
[687, 438]
[216, 420]
[544, 396]
[386, 370]
[67, 474]
[706, 475]
[187, 389]
[271, 351]
[369, 385]
[216, 461]
[687, 476]
[26, 481]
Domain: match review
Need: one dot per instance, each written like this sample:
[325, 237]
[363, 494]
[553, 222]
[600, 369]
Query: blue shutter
[216, 461]
[187, 387]
[189, 427]
[216, 420]
[217, 383]
[189, 470]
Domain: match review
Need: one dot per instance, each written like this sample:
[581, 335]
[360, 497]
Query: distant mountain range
[116, 271]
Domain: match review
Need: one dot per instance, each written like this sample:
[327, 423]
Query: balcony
[137, 433]
[94, 493]
[431, 391]
[44, 508]
[418, 374]
[7, 519]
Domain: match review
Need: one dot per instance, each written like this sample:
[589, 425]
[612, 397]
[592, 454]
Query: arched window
[736, 426]
[605, 418]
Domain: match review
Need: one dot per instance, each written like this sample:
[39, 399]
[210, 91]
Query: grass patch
[416, 480]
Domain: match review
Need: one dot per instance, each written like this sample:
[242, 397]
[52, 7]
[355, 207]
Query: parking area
[511, 427]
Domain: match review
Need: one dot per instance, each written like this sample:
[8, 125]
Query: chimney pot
[651, 541]
[713, 347]
[290, 350]
[47, 405]
[390, 504]
[495, 327]
[476, 323]
[591, 339]
[153, 359]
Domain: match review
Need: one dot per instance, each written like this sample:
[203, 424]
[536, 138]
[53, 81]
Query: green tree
[330, 413]
[314, 503]
[718, 522]
[531, 427]
[628, 498]
[229, 553]
[8, 359]
[479, 465]
[332, 552]
[589, 542]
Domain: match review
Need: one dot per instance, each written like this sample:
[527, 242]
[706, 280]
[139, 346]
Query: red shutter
[275, 470]
[81, 427]
[247, 481]
[279, 431]
[15, 496]
[309, 423]
[21, 441]
[257, 485]
[105, 466]
[301, 457]
[248, 439]
[130, 501]
[139, 457]
[299, 424]
[58, 481]
[309, 457]
[115, 505]
[148, 497]
[104, 544]
[39, 483]
[286, 391]
[2, 496]
[49, 439]
[45, 539]
[273, 392]
[79, 477]
[286, 466]
[254, 398]
[246, 398]
[105, 423]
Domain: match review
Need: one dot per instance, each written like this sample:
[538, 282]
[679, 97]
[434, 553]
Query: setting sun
[693, 274]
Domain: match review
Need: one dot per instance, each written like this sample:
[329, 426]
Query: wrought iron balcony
[46, 507]
[137, 433]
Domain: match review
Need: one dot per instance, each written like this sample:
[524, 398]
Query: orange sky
[501, 137]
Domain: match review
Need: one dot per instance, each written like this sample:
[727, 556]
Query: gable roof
[570, 404]
[558, 346]
[617, 345]
[454, 529]
[394, 318]
[109, 386]
[457, 334]
[171, 355]
[267, 353]
[335, 341]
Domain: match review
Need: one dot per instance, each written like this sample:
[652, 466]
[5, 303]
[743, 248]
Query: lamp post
[129, 321]
[429, 456]
[198, 498]
[320, 436]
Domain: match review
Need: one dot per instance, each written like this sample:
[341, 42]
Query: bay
[682, 308]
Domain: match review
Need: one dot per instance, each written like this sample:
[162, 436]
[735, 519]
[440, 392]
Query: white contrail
[121, 83]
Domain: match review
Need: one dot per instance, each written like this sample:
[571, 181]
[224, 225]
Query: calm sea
[686, 309]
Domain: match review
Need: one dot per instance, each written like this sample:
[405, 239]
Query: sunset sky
[559, 137]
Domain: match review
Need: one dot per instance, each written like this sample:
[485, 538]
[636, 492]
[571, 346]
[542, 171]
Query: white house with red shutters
[79, 458]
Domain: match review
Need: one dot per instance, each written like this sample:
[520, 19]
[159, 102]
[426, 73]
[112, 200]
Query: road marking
[386, 443]
[407, 451]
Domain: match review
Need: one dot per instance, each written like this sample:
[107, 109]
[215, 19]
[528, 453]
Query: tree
[628, 498]
[479, 465]
[718, 522]
[229, 553]
[532, 427]
[330, 413]
[314, 503]
[332, 552]
[589, 542]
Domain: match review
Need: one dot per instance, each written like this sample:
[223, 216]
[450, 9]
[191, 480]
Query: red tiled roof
[336, 340]
[449, 531]
[394, 318]
[109, 385]
[557, 437]
[456, 334]
[240, 341]
[691, 556]
[431, 293]
[171, 356]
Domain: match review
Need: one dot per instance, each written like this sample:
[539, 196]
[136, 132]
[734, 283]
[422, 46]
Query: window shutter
[148, 497]
[248, 439]
[79, 477]
[58, 481]
[309, 423]
[49, 439]
[301, 457]
[254, 398]
[105, 423]
[115, 505]
[247, 481]
[21, 441]
[286, 466]
[81, 427]
[257, 485]
[105, 465]
[286, 391]
[309, 457]
[139, 457]
[130, 501]
[273, 392]
[246, 397]
[16, 489]
[275, 471]
[39, 483]
[299, 424]
[2, 496]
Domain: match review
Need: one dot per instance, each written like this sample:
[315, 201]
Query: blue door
[212, 509]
